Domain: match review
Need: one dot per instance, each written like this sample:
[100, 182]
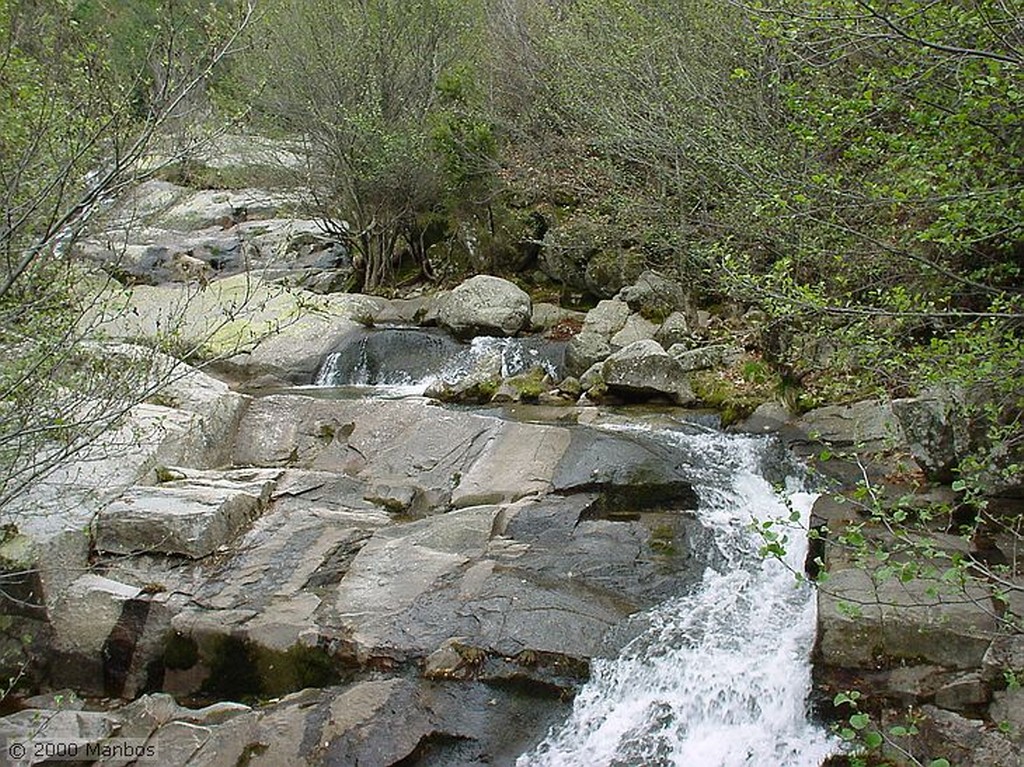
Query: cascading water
[410, 359]
[718, 677]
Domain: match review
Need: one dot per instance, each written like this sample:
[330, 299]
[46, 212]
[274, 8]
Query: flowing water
[408, 360]
[718, 677]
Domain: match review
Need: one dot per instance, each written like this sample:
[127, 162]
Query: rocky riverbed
[251, 571]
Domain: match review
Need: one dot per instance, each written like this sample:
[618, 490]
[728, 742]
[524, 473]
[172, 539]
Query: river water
[718, 677]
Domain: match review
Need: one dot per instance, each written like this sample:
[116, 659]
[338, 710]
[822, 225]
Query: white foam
[721, 676]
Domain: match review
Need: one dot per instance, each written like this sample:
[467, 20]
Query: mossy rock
[530, 385]
[608, 271]
[737, 390]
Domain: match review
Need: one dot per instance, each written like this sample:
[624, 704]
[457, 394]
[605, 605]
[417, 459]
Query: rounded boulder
[485, 305]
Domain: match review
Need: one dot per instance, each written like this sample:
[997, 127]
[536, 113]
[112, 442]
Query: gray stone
[517, 461]
[143, 203]
[936, 431]
[706, 357]
[639, 473]
[767, 418]
[676, 329]
[56, 513]
[607, 318]
[192, 517]
[224, 208]
[1007, 712]
[477, 386]
[963, 742]
[485, 305]
[860, 621]
[865, 425]
[592, 377]
[645, 369]
[183, 387]
[635, 329]
[914, 684]
[63, 700]
[1005, 654]
[60, 726]
[656, 297]
[966, 692]
[244, 151]
[585, 350]
[406, 311]
[88, 611]
[445, 455]
[547, 316]
[247, 326]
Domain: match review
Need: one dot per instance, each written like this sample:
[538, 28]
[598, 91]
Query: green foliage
[664, 143]
[384, 93]
[73, 133]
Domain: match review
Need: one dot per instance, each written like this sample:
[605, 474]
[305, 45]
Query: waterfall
[410, 359]
[718, 677]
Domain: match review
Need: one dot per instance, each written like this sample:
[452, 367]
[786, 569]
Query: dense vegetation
[852, 168]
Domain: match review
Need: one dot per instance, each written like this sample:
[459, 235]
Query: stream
[715, 677]
[718, 677]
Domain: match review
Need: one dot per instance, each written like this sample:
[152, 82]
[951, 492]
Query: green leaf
[873, 739]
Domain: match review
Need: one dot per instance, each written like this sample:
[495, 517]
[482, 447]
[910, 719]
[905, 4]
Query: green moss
[530, 385]
[662, 539]
[200, 176]
[180, 652]
[242, 669]
[737, 390]
[297, 668]
[250, 751]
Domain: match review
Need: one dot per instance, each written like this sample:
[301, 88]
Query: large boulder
[607, 318]
[644, 369]
[636, 328]
[961, 741]
[476, 386]
[862, 622]
[584, 351]
[593, 343]
[485, 305]
[677, 328]
[865, 425]
[656, 297]
[191, 517]
[944, 425]
[705, 357]
[936, 431]
[246, 326]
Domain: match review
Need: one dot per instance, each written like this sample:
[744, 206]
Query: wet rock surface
[439, 578]
[391, 582]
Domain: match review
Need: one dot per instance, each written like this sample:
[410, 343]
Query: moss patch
[736, 391]
[530, 385]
